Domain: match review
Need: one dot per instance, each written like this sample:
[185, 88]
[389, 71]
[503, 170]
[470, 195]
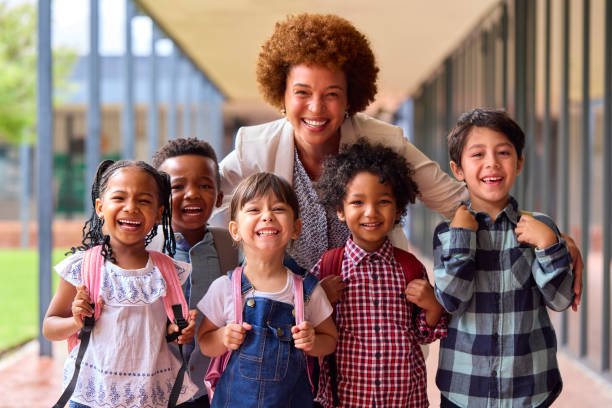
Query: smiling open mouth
[129, 223]
[314, 123]
[267, 233]
[192, 210]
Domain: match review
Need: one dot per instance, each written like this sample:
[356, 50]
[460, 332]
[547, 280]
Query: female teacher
[320, 72]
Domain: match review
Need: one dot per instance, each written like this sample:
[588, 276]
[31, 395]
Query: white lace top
[128, 362]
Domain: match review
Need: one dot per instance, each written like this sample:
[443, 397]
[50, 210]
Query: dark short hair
[182, 147]
[389, 166]
[493, 119]
[260, 184]
[317, 39]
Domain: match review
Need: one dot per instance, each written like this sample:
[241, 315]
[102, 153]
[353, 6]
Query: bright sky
[70, 27]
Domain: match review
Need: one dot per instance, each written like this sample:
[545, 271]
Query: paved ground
[27, 380]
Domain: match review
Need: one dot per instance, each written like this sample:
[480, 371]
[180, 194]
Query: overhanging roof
[409, 37]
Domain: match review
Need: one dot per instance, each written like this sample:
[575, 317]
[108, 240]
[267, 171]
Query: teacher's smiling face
[315, 104]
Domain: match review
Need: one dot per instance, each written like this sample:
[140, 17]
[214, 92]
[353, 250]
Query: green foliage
[19, 294]
[18, 72]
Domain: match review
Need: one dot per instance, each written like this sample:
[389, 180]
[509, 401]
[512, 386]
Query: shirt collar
[183, 245]
[510, 210]
[357, 254]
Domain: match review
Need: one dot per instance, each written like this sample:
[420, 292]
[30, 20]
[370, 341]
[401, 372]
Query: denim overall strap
[267, 370]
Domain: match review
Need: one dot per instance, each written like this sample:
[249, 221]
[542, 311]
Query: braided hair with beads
[92, 230]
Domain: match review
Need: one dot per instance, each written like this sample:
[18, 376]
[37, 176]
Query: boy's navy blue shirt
[501, 345]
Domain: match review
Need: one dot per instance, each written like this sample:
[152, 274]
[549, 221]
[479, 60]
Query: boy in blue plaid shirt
[496, 270]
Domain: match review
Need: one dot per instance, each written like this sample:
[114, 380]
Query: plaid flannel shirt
[501, 345]
[378, 355]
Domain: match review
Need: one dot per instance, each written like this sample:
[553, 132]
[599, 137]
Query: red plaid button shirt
[378, 355]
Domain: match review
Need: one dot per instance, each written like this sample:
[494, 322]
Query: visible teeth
[370, 225]
[267, 233]
[129, 222]
[314, 122]
[491, 179]
[192, 209]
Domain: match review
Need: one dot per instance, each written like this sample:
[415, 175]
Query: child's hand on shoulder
[333, 287]
[234, 334]
[81, 305]
[533, 232]
[464, 219]
[303, 336]
[188, 332]
[421, 293]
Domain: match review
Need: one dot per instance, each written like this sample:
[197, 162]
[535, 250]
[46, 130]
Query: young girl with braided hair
[127, 361]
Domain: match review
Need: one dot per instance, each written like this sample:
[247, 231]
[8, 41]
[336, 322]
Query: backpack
[218, 364]
[226, 248]
[331, 265]
[174, 304]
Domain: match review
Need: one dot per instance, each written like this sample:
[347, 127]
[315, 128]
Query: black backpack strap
[84, 335]
[177, 310]
[226, 249]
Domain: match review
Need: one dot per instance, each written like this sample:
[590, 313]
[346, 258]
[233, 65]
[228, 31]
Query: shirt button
[377, 382]
[374, 277]
[375, 302]
[493, 373]
[377, 328]
[377, 355]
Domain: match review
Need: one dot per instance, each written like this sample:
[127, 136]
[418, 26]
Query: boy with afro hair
[385, 306]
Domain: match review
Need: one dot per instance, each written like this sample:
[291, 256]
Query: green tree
[18, 72]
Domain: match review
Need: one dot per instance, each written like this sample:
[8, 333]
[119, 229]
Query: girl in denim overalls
[268, 368]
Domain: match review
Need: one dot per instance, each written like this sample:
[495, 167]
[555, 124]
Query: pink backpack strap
[237, 294]
[91, 267]
[298, 298]
[174, 291]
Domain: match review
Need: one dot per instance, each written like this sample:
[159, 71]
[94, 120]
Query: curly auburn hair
[389, 166]
[317, 39]
[181, 147]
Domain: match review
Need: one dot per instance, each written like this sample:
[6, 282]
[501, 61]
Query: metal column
[188, 98]
[174, 59]
[607, 191]
[25, 164]
[128, 104]
[563, 161]
[44, 117]
[586, 170]
[92, 142]
[152, 116]
[530, 173]
[546, 121]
